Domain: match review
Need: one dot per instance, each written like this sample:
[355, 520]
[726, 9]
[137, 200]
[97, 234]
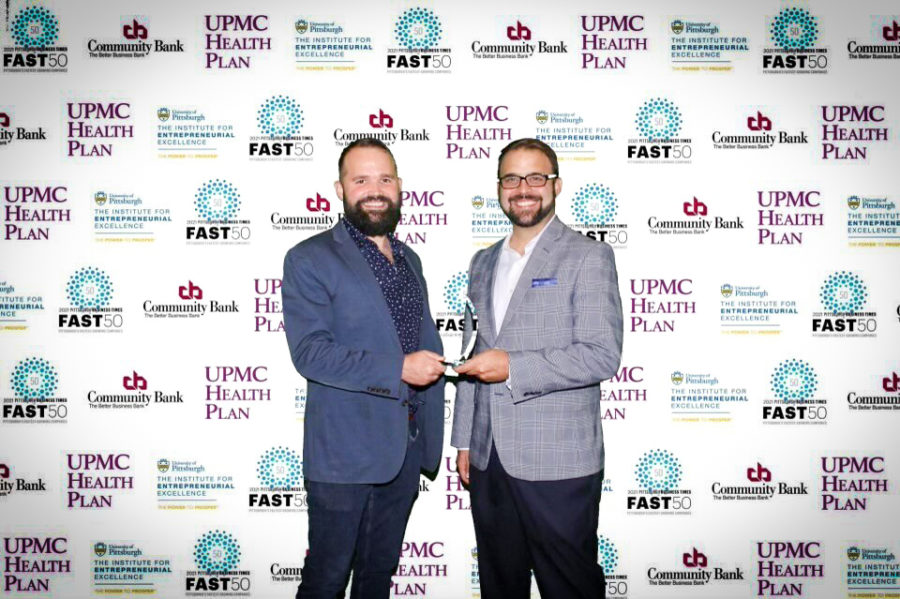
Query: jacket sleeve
[308, 317]
[596, 350]
[464, 405]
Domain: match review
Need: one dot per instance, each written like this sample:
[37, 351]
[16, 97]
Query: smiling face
[528, 206]
[370, 189]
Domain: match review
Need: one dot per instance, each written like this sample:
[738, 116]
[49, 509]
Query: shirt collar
[529, 247]
[363, 241]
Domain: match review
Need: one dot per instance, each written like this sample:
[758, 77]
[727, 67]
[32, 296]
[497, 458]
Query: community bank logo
[133, 393]
[417, 34]
[882, 42]
[514, 40]
[280, 121]
[697, 222]
[793, 36]
[314, 215]
[844, 295]
[759, 133]
[759, 485]
[191, 303]
[887, 398]
[595, 209]
[217, 556]
[10, 133]
[15, 485]
[35, 34]
[134, 43]
[380, 127]
[695, 569]
[34, 382]
[280, 474]
[658, 474]
[90, 292]
[217, 204]
[658, 123]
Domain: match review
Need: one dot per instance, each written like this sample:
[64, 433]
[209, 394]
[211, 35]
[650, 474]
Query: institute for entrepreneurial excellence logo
[217, 200]
[35, 27]
[843, 293]
[609, 555]
[279, 116]
[794, 29]
[34, 378]
[594, 205]
[279, 468]
[794, 380]
[89, 288]
[418, 29]
[658, 118]
[658, 470]
[217, 551]
[455, 292]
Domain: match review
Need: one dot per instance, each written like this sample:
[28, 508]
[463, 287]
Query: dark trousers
[360, 527]
[546, 526]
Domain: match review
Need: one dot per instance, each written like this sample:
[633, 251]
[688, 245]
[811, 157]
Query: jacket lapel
[487, 292]
[539, 257]
[347, 250]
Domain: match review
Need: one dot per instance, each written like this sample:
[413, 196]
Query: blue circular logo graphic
[89, 288]
[658, 470]
[658, 118]
[843, 293]
[609, 555]
[455, 292]
[794, 29]
[34, 27]
[418, 29]
[794, 380]
[594, 205]
[279, 116]
[34, 378]
[217, 200]
[217, 551]
[279, 468]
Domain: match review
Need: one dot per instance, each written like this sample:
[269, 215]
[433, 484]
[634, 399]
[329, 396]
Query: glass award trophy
[470, 346]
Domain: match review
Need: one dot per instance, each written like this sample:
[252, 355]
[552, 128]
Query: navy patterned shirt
[398, 284]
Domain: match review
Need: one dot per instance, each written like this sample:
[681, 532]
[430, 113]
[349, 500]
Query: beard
[373, 224]
[530, 217]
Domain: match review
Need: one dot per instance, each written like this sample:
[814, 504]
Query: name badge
[551, 282]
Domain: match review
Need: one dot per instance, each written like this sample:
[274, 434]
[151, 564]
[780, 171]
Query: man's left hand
[491, 366]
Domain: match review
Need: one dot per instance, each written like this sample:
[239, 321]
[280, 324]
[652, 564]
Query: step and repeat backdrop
[157, 160]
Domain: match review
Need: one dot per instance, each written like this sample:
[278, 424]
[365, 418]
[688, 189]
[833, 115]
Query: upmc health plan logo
[417, 33]
[843, 296]
[658, 123]
[658, 474]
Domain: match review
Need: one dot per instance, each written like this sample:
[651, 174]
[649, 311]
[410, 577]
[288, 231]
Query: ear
[399, 184]
[339, 190]
[557, 186]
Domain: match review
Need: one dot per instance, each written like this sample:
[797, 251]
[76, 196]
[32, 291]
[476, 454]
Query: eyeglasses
[533, 180]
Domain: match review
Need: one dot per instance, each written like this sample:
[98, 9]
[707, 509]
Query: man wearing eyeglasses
[527, 416]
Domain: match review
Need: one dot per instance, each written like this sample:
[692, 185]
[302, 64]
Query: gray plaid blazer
[563, 333]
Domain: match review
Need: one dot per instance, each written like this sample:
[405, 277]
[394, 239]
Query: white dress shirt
[509, 269]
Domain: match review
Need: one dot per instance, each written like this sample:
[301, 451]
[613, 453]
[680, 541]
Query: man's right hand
[462, 465]
[421, 368]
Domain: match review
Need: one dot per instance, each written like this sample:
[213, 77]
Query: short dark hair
[365, 142]
[529, 143]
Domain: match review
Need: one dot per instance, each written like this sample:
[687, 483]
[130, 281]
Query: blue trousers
[358, 527]
[546, 526]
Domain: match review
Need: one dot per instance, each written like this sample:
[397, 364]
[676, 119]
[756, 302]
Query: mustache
[380, 198]
[525, 196]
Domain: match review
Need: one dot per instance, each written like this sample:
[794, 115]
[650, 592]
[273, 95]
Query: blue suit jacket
[343, 341]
